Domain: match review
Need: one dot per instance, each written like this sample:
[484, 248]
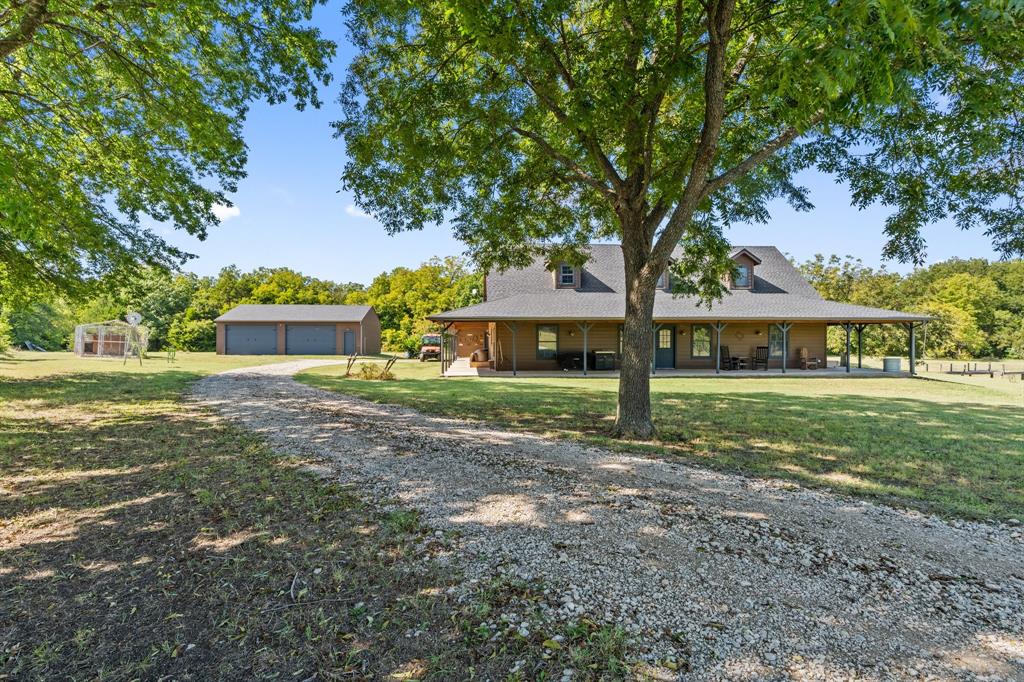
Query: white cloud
[354, 210]
[225, 213]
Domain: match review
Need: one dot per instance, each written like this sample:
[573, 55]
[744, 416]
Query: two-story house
[549, 318]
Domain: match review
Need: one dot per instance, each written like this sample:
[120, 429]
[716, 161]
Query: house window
[774, 342]
[620, 340]
[664, 338]
[741, 280]
[547, 341]
[566, 275]
[700, 341]
[663, 281]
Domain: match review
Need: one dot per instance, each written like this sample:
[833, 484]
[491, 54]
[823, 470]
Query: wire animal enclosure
[110, 339]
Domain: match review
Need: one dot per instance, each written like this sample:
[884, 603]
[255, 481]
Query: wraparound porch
[463, 369]
[681, 347]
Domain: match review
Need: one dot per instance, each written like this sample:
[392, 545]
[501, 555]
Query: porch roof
[568, 304]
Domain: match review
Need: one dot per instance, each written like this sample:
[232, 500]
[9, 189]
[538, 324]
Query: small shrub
[373, 372]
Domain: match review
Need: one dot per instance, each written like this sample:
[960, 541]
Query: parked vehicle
[430, 347]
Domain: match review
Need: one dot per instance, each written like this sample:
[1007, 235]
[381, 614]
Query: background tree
[535, 127]
[114, 111]
[403, 298]
[976, 304]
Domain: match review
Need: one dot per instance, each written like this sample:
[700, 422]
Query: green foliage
[117, 114]
[977, 305]
[536, 127]
[5, 331]
[539, 123]
[49, 325]
[403, 298]
[192, 335]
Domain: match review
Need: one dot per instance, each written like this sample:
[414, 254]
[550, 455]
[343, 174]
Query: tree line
[977, 306]
[179, 308]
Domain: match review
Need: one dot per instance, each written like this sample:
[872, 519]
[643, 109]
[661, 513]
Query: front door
[665, 347]
[350, 342]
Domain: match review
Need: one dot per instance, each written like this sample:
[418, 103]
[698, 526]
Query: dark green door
[665, 347]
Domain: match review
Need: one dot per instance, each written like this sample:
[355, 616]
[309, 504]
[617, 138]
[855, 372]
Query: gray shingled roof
[295, 313]
[780, 293]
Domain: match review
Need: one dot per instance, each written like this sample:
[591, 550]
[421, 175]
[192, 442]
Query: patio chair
[807, 362]
[761, 357]
[727, 361]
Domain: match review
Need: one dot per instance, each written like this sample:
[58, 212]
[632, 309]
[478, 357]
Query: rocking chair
[761, 357]
[807, 362]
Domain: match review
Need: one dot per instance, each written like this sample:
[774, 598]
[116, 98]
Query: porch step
[462, 367]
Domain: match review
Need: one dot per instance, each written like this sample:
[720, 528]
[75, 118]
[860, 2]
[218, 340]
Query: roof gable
[604, 272]
[295, 313]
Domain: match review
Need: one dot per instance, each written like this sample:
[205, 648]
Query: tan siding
[469, 337]
[220, 338]
[602, 336]
[282, 339]
[740, 337]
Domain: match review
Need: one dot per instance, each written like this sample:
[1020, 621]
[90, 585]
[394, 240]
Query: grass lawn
[141, 537]
[946, 447]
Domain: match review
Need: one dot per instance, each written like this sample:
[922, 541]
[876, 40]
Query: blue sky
[289, 211]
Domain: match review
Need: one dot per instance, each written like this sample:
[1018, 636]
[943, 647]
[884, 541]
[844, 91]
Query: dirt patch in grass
[141, 537]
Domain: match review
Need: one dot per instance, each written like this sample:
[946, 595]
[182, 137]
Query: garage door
[310, 339]
[250, 339]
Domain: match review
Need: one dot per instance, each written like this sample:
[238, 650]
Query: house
[298, 330]
[550, 318]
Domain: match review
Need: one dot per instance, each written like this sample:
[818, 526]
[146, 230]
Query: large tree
[115, 112]
[537, 126]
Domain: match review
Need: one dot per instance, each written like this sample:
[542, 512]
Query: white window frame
[565, 269]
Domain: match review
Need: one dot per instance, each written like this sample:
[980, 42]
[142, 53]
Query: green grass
[141, 537]
[946, 447]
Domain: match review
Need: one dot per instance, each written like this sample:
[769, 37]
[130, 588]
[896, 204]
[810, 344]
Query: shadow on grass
[87, 387]
[958, 458]
[141, 539]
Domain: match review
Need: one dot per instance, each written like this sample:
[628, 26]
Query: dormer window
[567, 276]
[743, 269]
[741, 278]
[663, 281]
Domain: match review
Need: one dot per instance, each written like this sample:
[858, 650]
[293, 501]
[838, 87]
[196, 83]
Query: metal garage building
[298, 330]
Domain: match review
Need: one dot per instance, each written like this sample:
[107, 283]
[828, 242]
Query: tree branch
[719, 19]
[754, 160]
[570, 165]
[34, 17]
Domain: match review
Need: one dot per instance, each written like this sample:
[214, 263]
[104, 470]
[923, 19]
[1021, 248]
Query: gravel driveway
[747, 578]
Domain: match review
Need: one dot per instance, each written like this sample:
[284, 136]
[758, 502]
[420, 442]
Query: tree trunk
[633, 416]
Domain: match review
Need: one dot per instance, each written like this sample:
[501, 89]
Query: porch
[735, 348]
[463, 368]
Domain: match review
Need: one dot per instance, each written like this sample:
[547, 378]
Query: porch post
[585, 328]
[444, 348]
[719, 328]
[654, 349]
[784, 327]
[846, 326]
[913, 348]
[860, 345]
[513, 327]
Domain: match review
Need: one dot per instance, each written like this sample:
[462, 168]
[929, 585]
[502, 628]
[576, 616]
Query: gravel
[739, 577]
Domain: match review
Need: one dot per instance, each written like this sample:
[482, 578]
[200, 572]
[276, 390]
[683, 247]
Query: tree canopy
[179, 309]
[117, 114]
[404, 297]
[977, 306]
[538, 126]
